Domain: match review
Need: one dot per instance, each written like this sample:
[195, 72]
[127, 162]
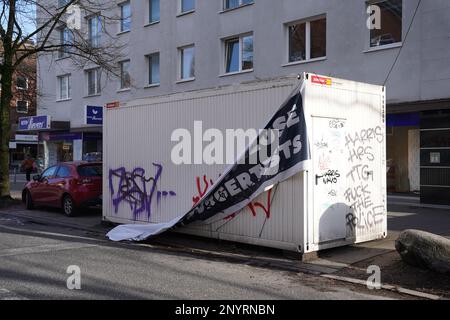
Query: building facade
[23, 104]
[183, 45]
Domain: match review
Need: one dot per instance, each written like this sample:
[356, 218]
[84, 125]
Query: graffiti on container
[252, 206]
[358, 144]
[324, 162]
[136, 189]
[365, 220]
[332, 193]
[365, 213]
[321, 144]
[336, 124]
[360, 172]
[329, 177]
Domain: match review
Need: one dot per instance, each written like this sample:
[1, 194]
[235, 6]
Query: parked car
[68, 185]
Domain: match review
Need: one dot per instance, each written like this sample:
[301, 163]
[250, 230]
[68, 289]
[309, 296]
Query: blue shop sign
[403, 119]
[94, 115]
[65, 136]
[34, 123]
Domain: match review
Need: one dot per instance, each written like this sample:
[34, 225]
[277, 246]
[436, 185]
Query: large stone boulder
[424, 250]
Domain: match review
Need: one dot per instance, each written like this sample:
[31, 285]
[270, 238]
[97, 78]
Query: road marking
[44, 233]
[44, 248]
[8, 295]
[385, 287]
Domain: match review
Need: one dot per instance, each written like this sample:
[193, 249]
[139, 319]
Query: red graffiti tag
[253, 206]
[201, 192]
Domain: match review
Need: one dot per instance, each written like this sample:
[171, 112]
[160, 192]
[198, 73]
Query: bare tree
[50, 27]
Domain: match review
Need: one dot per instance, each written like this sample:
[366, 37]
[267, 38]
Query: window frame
[97, 79]
[149, 12]
[368, 46]
[64, 52]
[121, 81]
[240, 5]
[26, 83]
[148, 58]
[99, 29]
[62, 3]
[27, 104]
[68, 88]
[225, 48]
[181, 64]
[122, 19]
[180, 8]
[307, 22]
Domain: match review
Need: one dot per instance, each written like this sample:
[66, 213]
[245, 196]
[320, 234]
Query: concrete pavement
[35, 258]
[338, 261]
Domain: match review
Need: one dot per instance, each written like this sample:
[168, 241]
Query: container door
[329, 179]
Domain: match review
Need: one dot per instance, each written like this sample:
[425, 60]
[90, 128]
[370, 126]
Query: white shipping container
[340, 199]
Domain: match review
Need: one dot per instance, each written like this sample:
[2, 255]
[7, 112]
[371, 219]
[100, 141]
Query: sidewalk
[350, 261]
[412, 201]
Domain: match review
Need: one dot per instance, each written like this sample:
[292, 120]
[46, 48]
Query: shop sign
[94, 115]
[26, 137]
[34, 123]
[112, 105]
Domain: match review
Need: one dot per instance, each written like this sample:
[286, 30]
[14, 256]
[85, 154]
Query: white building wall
[421, 73]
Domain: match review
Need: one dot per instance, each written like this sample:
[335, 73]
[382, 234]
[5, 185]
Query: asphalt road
[34, 259]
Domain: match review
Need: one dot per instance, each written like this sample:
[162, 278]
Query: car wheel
[29, 201]
[68, 206]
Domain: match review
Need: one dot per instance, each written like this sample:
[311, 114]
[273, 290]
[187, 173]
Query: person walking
[28, 166]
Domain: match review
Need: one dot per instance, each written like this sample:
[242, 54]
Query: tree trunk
[5, 105]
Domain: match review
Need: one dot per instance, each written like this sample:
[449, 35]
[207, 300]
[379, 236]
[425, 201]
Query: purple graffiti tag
[136, 190]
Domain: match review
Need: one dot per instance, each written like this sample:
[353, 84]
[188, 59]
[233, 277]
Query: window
[187, 63]
[49, 173]
[90, 170]
[187, 5]
[239, 54]
[65, 41]
[308, 40]
[153, 68]
[125, 16]
[94, 30]
[390, 26]
[153, 13]
[63, 172]
[62, 3]
[231, 4]
[22, 106]
[93, 81]
[64, 87]
[21, 82]
[125, 80]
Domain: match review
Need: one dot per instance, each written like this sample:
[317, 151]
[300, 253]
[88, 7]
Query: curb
[388, 287]
[418, 205]
[53, 222]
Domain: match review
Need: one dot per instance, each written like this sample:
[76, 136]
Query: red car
[68, 185]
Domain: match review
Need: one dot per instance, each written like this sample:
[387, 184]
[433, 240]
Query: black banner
[244, 182]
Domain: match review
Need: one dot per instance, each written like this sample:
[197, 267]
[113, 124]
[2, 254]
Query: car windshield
[90, 171]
